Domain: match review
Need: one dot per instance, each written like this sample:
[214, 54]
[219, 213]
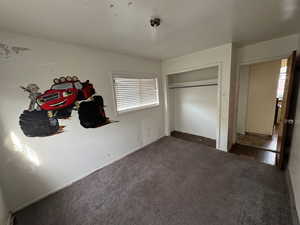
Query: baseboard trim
[35, 200]
[194, 138]
[295, 218]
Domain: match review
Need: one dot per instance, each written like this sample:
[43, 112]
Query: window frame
[281, 74]
[129, 75]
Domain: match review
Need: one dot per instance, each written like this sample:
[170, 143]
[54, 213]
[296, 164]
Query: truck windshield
[78, 85]
[62, 86]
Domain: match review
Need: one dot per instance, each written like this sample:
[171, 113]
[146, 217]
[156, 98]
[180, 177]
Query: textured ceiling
[123, 25]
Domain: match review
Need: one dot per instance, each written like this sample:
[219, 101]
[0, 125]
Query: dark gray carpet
[170, 182]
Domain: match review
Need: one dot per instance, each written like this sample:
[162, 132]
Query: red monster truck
[66, 94]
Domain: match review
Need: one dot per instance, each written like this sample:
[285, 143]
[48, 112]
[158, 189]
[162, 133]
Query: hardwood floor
[259, 141]
[194, 138]
[253, 140]
[254, 153]
[261, 148]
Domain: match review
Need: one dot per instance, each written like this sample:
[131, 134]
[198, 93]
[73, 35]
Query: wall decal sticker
[65, 95]
[7, 51]
[17, 50]
[4, 50]
[32, 89]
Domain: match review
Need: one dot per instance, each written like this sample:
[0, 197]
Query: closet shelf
[199, 83]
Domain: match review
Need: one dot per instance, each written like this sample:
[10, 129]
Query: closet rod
[200, 85]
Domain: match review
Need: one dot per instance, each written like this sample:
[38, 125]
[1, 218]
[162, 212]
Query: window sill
[121, 112]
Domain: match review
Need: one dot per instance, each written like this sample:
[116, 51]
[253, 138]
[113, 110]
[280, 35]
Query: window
[78, 85]
[133, 94]
[282, 78]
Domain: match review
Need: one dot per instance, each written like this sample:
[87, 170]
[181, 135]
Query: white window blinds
[133, 94]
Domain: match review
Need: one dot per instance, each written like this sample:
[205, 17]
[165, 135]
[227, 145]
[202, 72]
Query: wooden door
[285, 109]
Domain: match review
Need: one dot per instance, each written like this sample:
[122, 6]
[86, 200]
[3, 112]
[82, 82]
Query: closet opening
[193, 105]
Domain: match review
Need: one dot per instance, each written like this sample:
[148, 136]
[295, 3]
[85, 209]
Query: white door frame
[238, 68]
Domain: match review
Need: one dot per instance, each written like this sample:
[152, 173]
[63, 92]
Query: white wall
[243, 99]
[267, 50]
[196, 110]
[30, 168]
[3, 209]
[263, 81]
[219, 56]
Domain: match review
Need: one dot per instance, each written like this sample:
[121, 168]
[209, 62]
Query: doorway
[261, 90]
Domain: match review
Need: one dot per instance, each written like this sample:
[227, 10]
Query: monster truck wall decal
[65, 95]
